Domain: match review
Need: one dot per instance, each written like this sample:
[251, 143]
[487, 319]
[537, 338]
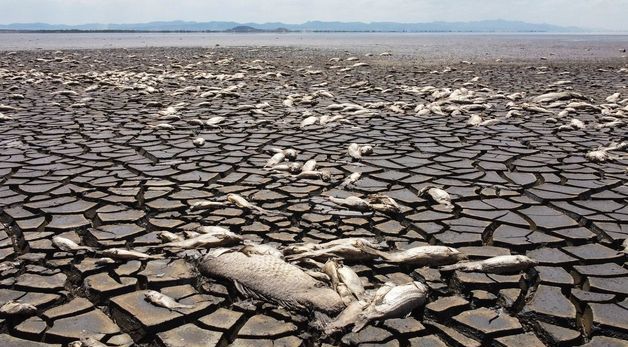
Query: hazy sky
[602, 14]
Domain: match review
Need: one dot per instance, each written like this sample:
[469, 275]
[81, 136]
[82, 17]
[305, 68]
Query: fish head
[325, 175]
[290, 153]
[151, 294]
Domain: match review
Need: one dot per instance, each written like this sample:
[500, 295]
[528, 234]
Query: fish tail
[450, 267]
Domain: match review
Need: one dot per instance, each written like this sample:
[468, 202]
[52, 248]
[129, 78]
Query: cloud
[606, 14]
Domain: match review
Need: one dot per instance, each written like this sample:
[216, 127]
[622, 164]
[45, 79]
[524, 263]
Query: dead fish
[163, 126]
[351, 179]
[290, 167]
[14, 308]
[4, 117]
[396, 303]
[308, 121]
[549, 97]
[438, 195]
[163, 300]
[498, 264]
[574, 124]
[207, 240]
[243, 203]
[214, 121]
[601, 154]
[118, 253]
[625, 245]
[350, 279]
[352, 202]
[383, 203]
[205, 204]
[275, 159]
[104, 261]
[251, 248]
[198, 142]
[474, 120]
[68, 245]
[308, 246]
[323, 175]
[168, 236]
[346, 318]
[351, 249]
[268, 278]
[309, 165]
[613, 98]
[354, 151]
[420, 256]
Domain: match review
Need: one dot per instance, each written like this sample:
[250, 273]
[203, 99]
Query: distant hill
[479, 26]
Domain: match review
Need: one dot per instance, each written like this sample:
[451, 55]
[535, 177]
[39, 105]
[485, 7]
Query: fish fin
[360, 323]
[320, 321]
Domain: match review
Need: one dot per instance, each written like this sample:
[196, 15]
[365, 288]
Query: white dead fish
[4, 117]
[243, 203]
[163, 300]
[351, 179]
[549, 97]
[290, 167]
[323, 175]
[275, 159]
[474, 120]
[350, 279]
[163, 126]
[354, 151]
[214, 121]
[346, 249]
[198, 142]
[205, 204]
[420, 256]
[308, 121]
[104, 261]
[436, 194]
[498, 264]
[68, 245]
[613, 98]
[309, 165]
[208, 240]
[396, 303]
[14, 308]
[168, 236]
[118, 253]
[352, 202]
[383, 203]
[346, 318]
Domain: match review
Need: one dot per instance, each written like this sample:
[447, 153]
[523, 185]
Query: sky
[594, 14]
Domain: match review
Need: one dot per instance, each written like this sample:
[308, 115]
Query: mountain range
[478, 26]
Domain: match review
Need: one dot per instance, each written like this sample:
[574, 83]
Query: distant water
[418, 45]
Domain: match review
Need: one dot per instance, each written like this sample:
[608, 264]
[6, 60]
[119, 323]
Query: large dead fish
[163, 300]
[498, 264]
[420, 256]
[269, 278]
[341, 274]
[397, 302]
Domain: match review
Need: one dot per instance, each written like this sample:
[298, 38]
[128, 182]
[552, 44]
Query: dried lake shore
[101, 147]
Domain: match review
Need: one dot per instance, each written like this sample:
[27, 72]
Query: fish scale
[260, 274]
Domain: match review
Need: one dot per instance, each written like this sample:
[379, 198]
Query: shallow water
[420, 45]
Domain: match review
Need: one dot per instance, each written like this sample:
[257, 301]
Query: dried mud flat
[92, 152]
